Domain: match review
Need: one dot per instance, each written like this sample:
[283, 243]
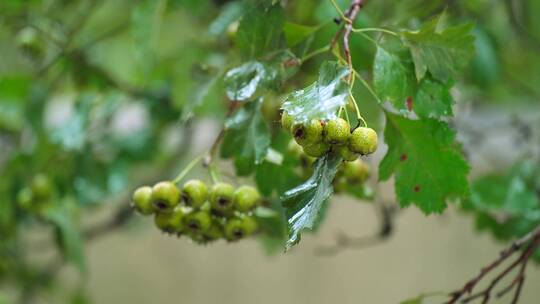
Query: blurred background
[103, 96]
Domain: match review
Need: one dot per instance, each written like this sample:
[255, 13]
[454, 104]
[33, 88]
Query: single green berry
[308, 134]
[170, 222]
[337, 131]
[24, 198]
[238, 228]
[198, 222]
[317, 150]
[194, 193]
[294, 149]
[356, 172]
[363, 140]
[142, 200]
[215, 232]
[221, 197]
[41, 187]
[246, 198]
[165, 196]
[286, 121]
[340, 184]
[347, 154]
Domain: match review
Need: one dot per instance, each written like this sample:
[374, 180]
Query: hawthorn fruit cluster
[202, 213]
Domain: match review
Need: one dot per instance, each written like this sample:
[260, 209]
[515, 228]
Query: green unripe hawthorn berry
[198, 222]
[215, 232]
[363, 140]
[347, 154]
[221, 197]
[170, 222]
[194, 193]
[24, 198]
[246, 198]
[309, 133]
[340, 184]
[142, 200]
[238, 228]
[294, 149]
[41, 187]
[317, 150]
[356, 172]
[286, 121]
[165, 196]
[337, 131]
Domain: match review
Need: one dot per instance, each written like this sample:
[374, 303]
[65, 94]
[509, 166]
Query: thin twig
[529, 244]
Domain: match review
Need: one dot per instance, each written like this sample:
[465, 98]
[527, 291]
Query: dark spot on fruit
[238, 233]
[186, 200]
[417, 188]
[403, 157]
[299, 133]
[409, 103]
[223, 202]
[194, 225]
[161, 205]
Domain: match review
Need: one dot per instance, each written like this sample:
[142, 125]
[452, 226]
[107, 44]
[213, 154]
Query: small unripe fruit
[194, 193]
[347, 154]
[246, 198]
[340, 184]
[213, 233]
[238, 228]
[317, 150]
[24, 198]
[363, 140]
[198, 222]
[170, 222]
[308, 134]
[294, 149]
[165, 196]
[142, 200]
[356, 172]
[221, 197]
[337, 131]
[286, 121]
[41, 187]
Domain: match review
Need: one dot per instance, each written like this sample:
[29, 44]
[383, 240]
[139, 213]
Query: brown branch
[529, 244]
[351, 14]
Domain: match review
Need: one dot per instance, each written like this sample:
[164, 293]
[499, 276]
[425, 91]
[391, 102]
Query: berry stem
[374, 29]
[188, 168]
[314, 53]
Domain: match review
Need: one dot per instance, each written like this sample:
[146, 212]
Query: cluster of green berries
[204, 214]
[351, 174]
[37, 195]
[318, 137]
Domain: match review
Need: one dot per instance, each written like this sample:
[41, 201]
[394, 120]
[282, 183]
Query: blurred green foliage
[92, 91]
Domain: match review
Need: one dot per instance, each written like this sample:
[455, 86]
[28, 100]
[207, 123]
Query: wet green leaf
[304, 203]
[322, 99]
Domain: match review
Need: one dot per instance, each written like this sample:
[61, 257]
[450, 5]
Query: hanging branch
[528, 245]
